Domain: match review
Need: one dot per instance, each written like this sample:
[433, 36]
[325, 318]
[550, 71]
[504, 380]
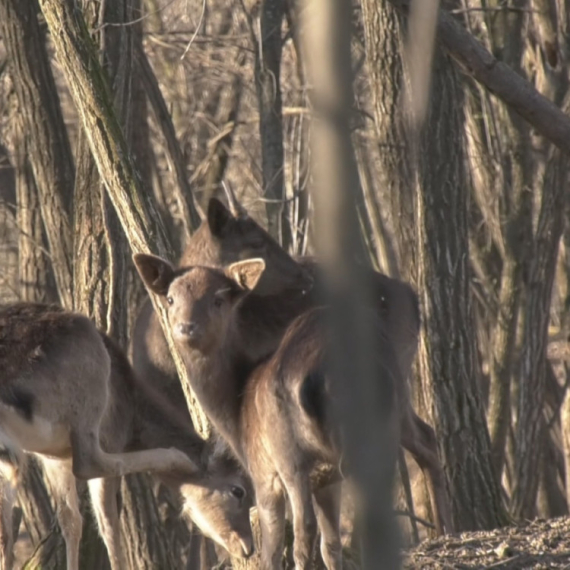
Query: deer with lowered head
[285, 290]
[69, 396]
[275, 415]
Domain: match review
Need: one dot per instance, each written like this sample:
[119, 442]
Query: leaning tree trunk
[101, 274]
[50, 154]
[448, 353]
[90, 92]
[91, 97]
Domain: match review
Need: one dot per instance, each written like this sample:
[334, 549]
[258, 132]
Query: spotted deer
[275, 415]
[286, 289]
[69, 396]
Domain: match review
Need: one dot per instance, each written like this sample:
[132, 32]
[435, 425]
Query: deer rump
[289, 404]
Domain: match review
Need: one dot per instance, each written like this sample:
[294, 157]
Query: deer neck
[217, 382]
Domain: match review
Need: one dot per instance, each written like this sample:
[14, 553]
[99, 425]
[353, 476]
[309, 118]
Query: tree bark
[533, 364]
[50, 154]
[448, 355]
[501, 161]
[146, 550]
[500, 79]
[384, 48]
[182, 190]
[35, 280]
[268, 83]
[90, 92]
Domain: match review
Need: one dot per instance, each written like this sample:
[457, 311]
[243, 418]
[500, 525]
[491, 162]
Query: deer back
[52, 362]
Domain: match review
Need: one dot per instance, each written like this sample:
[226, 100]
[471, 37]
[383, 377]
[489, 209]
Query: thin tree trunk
[268, 82]
[101, 269]
[535, 335]
[182, 190]
[384, 46]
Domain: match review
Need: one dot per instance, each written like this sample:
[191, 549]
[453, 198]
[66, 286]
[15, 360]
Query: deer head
[230, 235]
[200, 299]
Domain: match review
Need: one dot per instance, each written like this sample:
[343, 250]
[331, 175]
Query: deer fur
[276, 415]
[280, 296]
[69, 396]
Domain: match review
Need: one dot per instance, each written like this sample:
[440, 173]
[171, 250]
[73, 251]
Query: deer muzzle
[189, 331]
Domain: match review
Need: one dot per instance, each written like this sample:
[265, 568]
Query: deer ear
[220, 219]
[156, 273]
[246, 273]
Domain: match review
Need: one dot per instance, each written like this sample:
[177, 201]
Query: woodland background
[472, 208]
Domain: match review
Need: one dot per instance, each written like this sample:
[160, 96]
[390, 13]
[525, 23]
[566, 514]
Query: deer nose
[187, 329]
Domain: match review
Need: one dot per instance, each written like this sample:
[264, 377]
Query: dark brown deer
[275, 416]
[69, 395]
[283, 293]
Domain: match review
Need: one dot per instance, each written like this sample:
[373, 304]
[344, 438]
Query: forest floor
[540, 544]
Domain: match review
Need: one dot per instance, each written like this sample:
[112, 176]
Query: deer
[275, 415]
[287, 288]
[69, 396]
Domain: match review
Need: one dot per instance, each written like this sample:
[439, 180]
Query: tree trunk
[448, 354]
[39, 518]
[35, 280]
[384, 47]
[146, 550]
[50, 154]
[364, 408]
[535, 335]
[268, 82]
[90, 91]
[100, 271]
[35, 285]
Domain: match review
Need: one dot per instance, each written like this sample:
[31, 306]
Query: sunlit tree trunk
[49, 151]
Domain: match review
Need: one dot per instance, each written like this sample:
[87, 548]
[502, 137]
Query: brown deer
[68, 395]
[283, 293]
[275, 416]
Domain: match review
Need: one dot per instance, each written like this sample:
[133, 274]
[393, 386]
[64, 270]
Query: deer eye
[169, 300]
[238, 492]
[218, 301]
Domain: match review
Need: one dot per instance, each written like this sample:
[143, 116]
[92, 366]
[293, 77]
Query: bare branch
[500, 79]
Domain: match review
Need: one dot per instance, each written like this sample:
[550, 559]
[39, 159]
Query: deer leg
[7, 500]
[271, 512]
[419, 439]
[327, 506]
[103, 493]
[91, 462]
[304, 520]
[64, 490]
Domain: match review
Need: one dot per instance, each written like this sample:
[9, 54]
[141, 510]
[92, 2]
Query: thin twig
[414, 518]
[196, 30]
